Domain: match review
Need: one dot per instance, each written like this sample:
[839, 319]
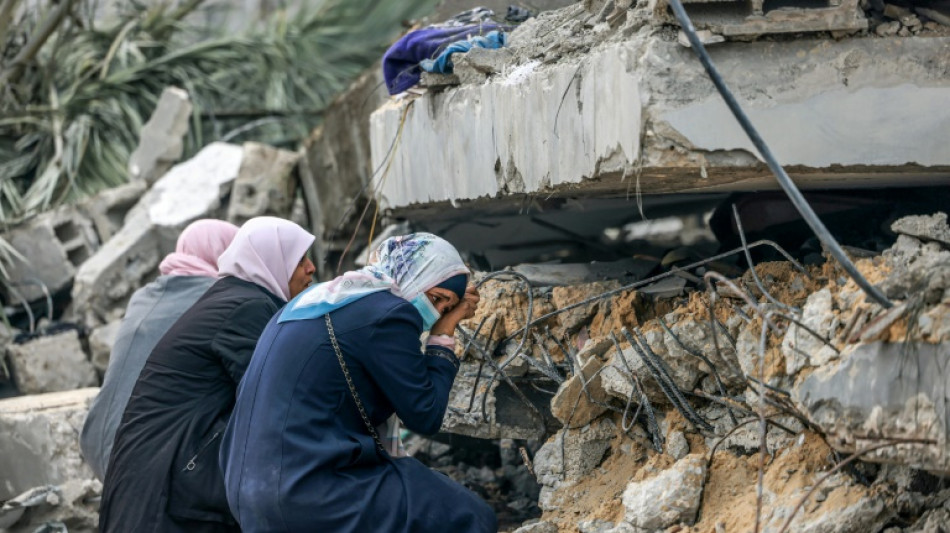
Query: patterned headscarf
[406, 266]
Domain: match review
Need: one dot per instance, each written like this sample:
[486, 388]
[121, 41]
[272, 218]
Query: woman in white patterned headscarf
[339, 360]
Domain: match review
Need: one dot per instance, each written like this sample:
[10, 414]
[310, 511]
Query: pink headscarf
[265, 251]
[198, 249]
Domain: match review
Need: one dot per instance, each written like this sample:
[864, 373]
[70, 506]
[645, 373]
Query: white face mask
[428, 311]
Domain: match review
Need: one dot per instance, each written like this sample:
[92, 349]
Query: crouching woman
[301, 452]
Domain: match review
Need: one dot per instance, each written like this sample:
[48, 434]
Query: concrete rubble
[130, 258]
[844, 376]
[265, 183]
[161, 141]
[51, 362]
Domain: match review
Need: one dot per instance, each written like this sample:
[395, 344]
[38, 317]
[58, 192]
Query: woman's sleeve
[416, 383]
[234, 344]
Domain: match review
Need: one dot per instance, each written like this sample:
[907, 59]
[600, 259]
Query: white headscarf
[406, 266]
[265, 251]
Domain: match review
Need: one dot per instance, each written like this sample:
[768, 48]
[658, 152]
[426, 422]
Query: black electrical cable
[783, 179]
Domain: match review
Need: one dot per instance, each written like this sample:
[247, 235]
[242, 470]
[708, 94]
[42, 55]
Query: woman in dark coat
[186, 274]
[163, 475]
[301, 453]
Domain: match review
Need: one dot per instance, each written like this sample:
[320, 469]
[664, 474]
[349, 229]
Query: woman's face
[302, 276]
[442, 299]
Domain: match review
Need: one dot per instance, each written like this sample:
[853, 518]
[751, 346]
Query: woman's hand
[464, 309]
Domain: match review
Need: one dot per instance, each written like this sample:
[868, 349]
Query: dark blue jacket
[297, 456]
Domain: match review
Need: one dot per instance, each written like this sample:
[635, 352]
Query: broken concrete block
[54, 245]
[705, 37]
[571, 405]
[108, 209]
[926, 228]
[101, 341]
[161, 139]
[578, 454]
[676, 445]
[39, 442]
[887, 29]
[264, 185]
[883, 391]
[563, 274]
[51, 363]
[671, 497]
[506, 415]
[194, 188]
[74, 504]
[800, 347]
[436, 80]
[107, 280]
[484, 60]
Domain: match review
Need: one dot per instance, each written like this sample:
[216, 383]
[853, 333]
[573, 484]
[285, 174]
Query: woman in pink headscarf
[185, 275]
[163, 475]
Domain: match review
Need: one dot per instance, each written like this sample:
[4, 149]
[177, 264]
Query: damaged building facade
[647, 357]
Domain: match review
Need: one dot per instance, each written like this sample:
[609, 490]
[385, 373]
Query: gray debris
[673, 496]
[265, 183]
[925, 227]
[51, 363]
[161, 140]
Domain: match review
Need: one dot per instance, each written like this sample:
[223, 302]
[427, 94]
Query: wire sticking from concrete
[791, 190]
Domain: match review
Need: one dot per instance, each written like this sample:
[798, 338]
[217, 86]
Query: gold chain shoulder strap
[349, 382]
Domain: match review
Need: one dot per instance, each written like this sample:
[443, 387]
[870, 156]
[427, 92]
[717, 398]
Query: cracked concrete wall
[872, 108]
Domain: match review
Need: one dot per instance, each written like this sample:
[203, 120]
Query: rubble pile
[651, 412]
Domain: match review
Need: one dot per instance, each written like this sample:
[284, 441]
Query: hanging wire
[795, 195]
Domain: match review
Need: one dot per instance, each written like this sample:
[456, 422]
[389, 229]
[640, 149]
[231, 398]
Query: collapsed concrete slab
[101, 341]
[587, 123]
[880, 392]
[51, 363]
[758, 17]
[39, 444]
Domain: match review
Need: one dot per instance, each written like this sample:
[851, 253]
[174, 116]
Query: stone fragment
[571, 454]
[571, 405]
[595, 526]
[883, 391]
[924, 227]
[436, 80]
[53, 246]
[38, 440]
[75, 504]
[264, 185]
[101, 341]
[105, 282]
[933, 521]
[485, 60]
[670, 498]
[799, 346]
[107, 210]
[161, 139]
[540, 526]
[705, 36]
[51, 363]
[507, 416]
[676, 445]
[886, 29]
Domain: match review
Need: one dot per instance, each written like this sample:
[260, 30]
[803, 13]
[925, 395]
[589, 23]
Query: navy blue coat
[296, 455]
